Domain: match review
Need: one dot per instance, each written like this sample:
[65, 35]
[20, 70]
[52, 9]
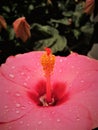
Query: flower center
[58, 94]
[46, 94]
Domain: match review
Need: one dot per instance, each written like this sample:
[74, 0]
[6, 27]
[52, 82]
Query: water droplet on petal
[40, 122]
[17, 94]
[58, 120]
[61, 60]
[25, 84]
[53, 112]
[21, 122]
[7, 91]
[11, 75]
[83, 91]
[9, 127]
[28, 77]
[77, 118]
[13, 67]
[60, 70]
[17, 111]
[28, 124]
[77, 72]
[82, 81]
[17, 105]
[72, 66]
[5, 106]
[38, 64]
[22, 73]
[23, 107]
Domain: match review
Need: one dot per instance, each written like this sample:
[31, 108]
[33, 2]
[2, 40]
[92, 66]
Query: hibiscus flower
[74, 82]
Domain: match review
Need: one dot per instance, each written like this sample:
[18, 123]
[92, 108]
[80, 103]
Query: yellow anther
[48, 61]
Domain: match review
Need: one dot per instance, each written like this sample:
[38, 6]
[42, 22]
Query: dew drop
[25, 84]
[22, 73]
[11, 75]
[77, 118]
[82, 81]
[83, 91]
[37, 64]
[17, 105]
[28, 78]
[58, 120]
[77, 72]
[9, 127]
[17, 94]
[60, 70]
[17, 112]
[53, 112]
[13, 67]
[23, 107]
[40, 122]
[72, 66]
[28, 124]
[7, 91]
[61, 60]
[5, 106]
[21, 122]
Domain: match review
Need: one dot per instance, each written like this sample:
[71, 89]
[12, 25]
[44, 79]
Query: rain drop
[5, 106]
[7, 91]
[17, 105]
[13, 67]
[60, 70]
[21, 122]
[25, 84]
[9, 127]
[37, 64]
[83, 91]
[58, 120]
[77, 118]
[22, 73]
[28, 124]
[72, 66]
[17, 94]
[11, 75]
[53, 112]
[82, 81]
[61, 60]
[77, 72]
[17, 112]
[40, 122]
[27, 78]
[23, 107]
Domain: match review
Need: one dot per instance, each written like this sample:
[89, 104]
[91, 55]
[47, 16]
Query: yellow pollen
[48, 61]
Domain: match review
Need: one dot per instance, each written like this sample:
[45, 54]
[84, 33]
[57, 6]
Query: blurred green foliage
[54, 24]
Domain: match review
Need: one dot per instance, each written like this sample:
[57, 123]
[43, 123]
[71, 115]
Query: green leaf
[56, 42]
[87, 28]
[11, 33]
[43, 31]
[64, 21]
[76, 33]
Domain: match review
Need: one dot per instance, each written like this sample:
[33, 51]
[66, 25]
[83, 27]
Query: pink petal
[72, 114]
[85, 91]
[25, 70]
[69, 116]
[14, 102]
